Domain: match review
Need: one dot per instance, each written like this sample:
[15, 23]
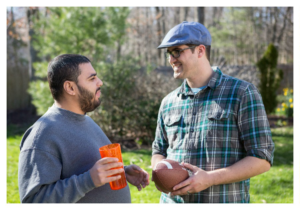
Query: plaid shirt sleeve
[160, 144]
[254, 126]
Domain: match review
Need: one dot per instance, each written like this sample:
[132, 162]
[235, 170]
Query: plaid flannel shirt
[217, 127]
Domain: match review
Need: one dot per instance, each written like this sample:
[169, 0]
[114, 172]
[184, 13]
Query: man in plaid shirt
[214, 124]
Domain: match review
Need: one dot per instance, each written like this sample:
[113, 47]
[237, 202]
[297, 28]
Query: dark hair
[207, 50]
[62, 68]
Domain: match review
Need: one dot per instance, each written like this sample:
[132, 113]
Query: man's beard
[87, 99]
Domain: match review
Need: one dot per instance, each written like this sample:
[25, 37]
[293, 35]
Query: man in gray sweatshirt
[59, 160]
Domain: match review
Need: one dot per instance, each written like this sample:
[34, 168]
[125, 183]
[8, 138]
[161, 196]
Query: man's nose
[100, 83]
[172, 59]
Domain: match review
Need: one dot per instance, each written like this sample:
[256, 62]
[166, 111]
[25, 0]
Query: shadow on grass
[15, 130]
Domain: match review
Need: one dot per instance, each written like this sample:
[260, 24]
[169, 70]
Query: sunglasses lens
[175, 53]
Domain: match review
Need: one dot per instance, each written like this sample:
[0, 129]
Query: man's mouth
[176, 64]
[99, 91]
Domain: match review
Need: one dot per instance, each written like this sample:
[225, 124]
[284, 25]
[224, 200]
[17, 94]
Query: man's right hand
[102, 169]
[154, 160]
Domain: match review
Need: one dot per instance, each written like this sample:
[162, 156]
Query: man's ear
[69, 87]
[201, 51]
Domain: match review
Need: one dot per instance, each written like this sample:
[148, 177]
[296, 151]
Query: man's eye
[175, 52]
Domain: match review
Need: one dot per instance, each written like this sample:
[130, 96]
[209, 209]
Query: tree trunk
[158, 32]
[163, 19]
[279, 38]
[274, 23]
[139, 53]
[32, 12]
[176, 16]
[118, 50]
[183, 13]
[17, 74]
[217, 14]
[148, 43]
[201, 15]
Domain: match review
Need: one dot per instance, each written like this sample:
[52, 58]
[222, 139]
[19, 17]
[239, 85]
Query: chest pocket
[218, 113]
[174, 125]
[222, 126]
[173, 120]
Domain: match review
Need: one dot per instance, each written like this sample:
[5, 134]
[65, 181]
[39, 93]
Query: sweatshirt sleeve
[40, 182]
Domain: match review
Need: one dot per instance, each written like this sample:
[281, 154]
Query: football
[167, 174]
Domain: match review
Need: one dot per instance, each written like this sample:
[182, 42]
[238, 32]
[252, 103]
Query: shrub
[270, 78]
[131, 96]
[130, 100]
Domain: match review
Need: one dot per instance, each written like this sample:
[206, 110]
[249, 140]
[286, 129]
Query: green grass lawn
[275, 186]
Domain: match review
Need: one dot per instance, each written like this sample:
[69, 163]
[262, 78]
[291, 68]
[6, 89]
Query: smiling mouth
[176, 65]
[176, 68]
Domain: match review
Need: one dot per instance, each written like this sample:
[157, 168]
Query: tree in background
[61, 30]
[270, 77]
[17, 61]
[239, 34]
[129, 107]
[122, 44]
[116, 25]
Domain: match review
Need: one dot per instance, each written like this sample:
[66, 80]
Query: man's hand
[154, 160]
[200, 180]
[137, 176]
[102, 169]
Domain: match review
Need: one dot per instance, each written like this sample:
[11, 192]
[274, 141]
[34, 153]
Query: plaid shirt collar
[213, 83]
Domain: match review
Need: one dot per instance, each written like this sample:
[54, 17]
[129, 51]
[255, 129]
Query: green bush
[270, 78]
[59, 30]
[131, 97]
[40, 93]
[131, 94]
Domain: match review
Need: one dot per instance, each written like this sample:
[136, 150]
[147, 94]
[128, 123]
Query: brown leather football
[167, 174]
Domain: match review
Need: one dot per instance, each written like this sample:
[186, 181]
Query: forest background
[121, 43]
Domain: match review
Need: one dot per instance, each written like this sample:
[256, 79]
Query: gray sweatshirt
[56, 155]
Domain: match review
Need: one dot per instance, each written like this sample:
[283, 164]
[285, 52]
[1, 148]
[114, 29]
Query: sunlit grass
[275, 186]
[12, 169]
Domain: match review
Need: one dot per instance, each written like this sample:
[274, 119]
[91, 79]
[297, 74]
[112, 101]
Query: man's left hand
[200, 180]
[137, 176]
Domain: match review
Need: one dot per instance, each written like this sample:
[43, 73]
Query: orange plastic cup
[114, 150]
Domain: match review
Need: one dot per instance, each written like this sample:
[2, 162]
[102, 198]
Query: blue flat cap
[186, 33]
